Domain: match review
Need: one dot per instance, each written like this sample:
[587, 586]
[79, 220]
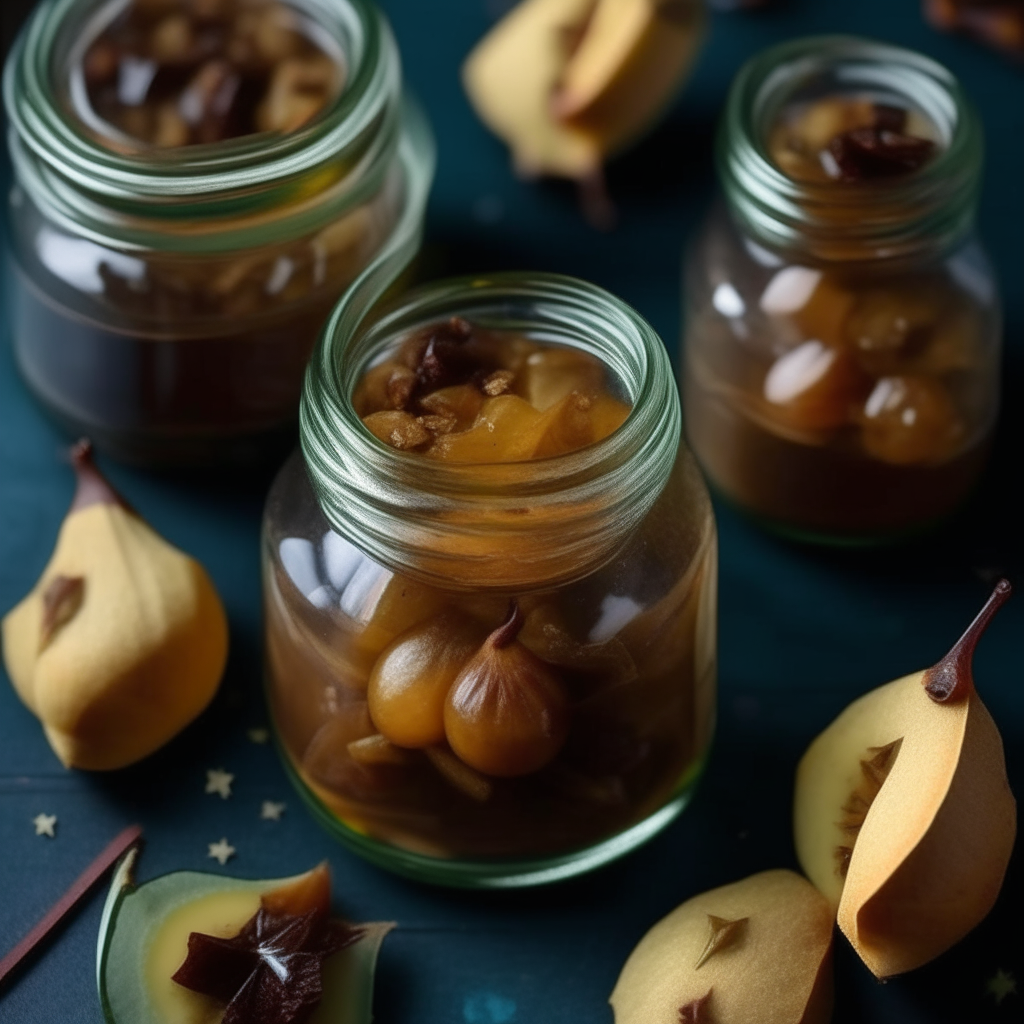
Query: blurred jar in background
[196, 182]
[842, 338]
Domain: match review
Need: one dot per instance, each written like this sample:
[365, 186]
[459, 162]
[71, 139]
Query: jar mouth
[506, 525]
[223, 180]
[930, 209]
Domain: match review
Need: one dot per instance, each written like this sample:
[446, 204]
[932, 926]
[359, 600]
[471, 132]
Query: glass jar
[840, 372]
[168, 299]
[610, 551]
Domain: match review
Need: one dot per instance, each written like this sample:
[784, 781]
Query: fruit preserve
[841, 351]
[196, 182]
[489, 584]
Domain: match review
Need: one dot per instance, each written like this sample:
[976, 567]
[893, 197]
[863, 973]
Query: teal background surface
[803, 631]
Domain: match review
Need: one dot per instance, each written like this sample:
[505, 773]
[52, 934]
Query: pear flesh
[567, 83]
[903, 815]
[754, 952]
[123, 640]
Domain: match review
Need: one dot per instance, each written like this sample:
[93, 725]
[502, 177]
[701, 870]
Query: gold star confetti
[271, 811]
[219, 781]
[45, 824]
[221, 851]
[1001, 985]
[258, 735]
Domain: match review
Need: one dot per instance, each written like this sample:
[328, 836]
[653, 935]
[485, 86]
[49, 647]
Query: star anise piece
[271, 971]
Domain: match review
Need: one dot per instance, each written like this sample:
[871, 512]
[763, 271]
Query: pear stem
[506, 633]
[93, 487]
[951, 680]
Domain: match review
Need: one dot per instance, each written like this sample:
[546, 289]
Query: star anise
[271, 971]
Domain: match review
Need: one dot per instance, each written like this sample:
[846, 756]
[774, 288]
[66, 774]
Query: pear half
[754, 952]
[123, 640]
[903, 815]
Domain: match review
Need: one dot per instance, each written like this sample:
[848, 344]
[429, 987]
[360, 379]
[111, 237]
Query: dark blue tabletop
[802, 631]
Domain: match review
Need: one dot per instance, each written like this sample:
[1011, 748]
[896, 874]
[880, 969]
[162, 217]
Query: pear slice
[632, 57]
[123, 640]
[903, 815]
[754, 952]
[144, 938]
[510, 77]
[566, 83]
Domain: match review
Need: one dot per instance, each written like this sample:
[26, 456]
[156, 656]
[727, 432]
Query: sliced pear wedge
[143, 939]
[631, 59]
[566, 83]
[754, 952]
[903, 815]
[510, 77]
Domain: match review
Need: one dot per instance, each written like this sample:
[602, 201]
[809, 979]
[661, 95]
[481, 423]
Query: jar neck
[265, 184]
[925, 213]
[510, 526]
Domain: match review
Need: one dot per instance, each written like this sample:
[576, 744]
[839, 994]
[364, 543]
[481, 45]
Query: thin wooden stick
[69, 901]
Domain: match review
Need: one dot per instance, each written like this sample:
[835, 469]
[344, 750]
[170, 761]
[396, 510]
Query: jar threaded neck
[930, 210]
[503, 526]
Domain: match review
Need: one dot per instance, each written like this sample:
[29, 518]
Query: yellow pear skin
[510, 77]
[903, 815]
[631, 60]
[754, 952]
[566, 83]
[123, 640]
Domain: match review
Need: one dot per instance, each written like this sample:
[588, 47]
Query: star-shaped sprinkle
[45, 824]
[221, 851]
[219, 781]
[271, 811]
[258, 735]
[1001, 985]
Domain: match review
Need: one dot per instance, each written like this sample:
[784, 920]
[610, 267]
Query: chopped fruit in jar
[411, 679]
[329, 761]
[849, 139]
[399, 429]
[182, 73]
[458, 774]
[909, 420]
[377, 749]
[890, 324]
[552, 373]
[607, 414]
[814, 387]
[458, 393]
[462, 402]
[812, 301]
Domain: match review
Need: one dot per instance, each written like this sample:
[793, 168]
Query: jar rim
[227, 179]
[929, 210]
[413, 513]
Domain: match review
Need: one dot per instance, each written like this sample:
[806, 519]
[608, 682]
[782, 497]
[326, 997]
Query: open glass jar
[609, 552]
[841, 350]
[175, 267]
